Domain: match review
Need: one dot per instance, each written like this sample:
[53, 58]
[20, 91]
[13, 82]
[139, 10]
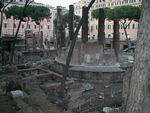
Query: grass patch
[37, 104]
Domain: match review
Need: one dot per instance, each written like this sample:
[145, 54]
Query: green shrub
[37, 104]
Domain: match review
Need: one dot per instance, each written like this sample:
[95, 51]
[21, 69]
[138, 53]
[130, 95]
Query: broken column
[101, 21]
[101, 33]
[60, 29]
[3, 57]
[34, 42]
[85, 25]
[116, 39]
[71, 21]
[41, 40]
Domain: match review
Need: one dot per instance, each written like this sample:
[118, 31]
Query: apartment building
[93, 23]
[10, 25]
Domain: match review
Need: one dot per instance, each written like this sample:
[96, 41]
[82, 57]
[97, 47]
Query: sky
[55, 3]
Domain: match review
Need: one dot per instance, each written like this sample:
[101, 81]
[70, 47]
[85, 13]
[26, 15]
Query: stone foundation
[90, 53]
[97, 73]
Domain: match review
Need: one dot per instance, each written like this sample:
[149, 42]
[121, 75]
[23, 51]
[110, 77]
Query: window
[96, 27]
[109, 26]
[22, 26]
[125, 1]
[5, 25]
[41, 20]
[121, 26]
[128, 26]
[34, 26]
[133, 26]
[14, 25]
[4, 17]
[41, 26]
[29, 26]
[48, 27]
[109, 35]
[48, 20]
[91, 28]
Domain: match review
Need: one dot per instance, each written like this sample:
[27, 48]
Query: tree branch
[6, 5]
[129, 23]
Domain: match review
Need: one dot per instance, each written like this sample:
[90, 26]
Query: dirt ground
[39, 99]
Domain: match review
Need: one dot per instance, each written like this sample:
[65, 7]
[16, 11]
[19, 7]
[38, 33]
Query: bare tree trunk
[116, 39]
[125, 31]
[27, 23]
[14, 42]
[139, 80]
[65, 73]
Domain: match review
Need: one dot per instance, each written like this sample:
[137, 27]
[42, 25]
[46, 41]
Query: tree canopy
[35, 12]
[121, 12]
[14, 11]
[38, 12]
[65, 19]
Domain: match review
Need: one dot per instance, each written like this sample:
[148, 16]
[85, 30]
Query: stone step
[50, 86]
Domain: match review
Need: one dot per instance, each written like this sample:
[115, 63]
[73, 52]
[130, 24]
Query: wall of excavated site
[89, 53]
[89, 75]
[40, 53]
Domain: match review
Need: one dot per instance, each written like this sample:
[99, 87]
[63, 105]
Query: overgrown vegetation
[38, 104]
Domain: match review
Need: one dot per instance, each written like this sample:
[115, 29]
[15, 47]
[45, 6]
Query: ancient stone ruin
[95, 79]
